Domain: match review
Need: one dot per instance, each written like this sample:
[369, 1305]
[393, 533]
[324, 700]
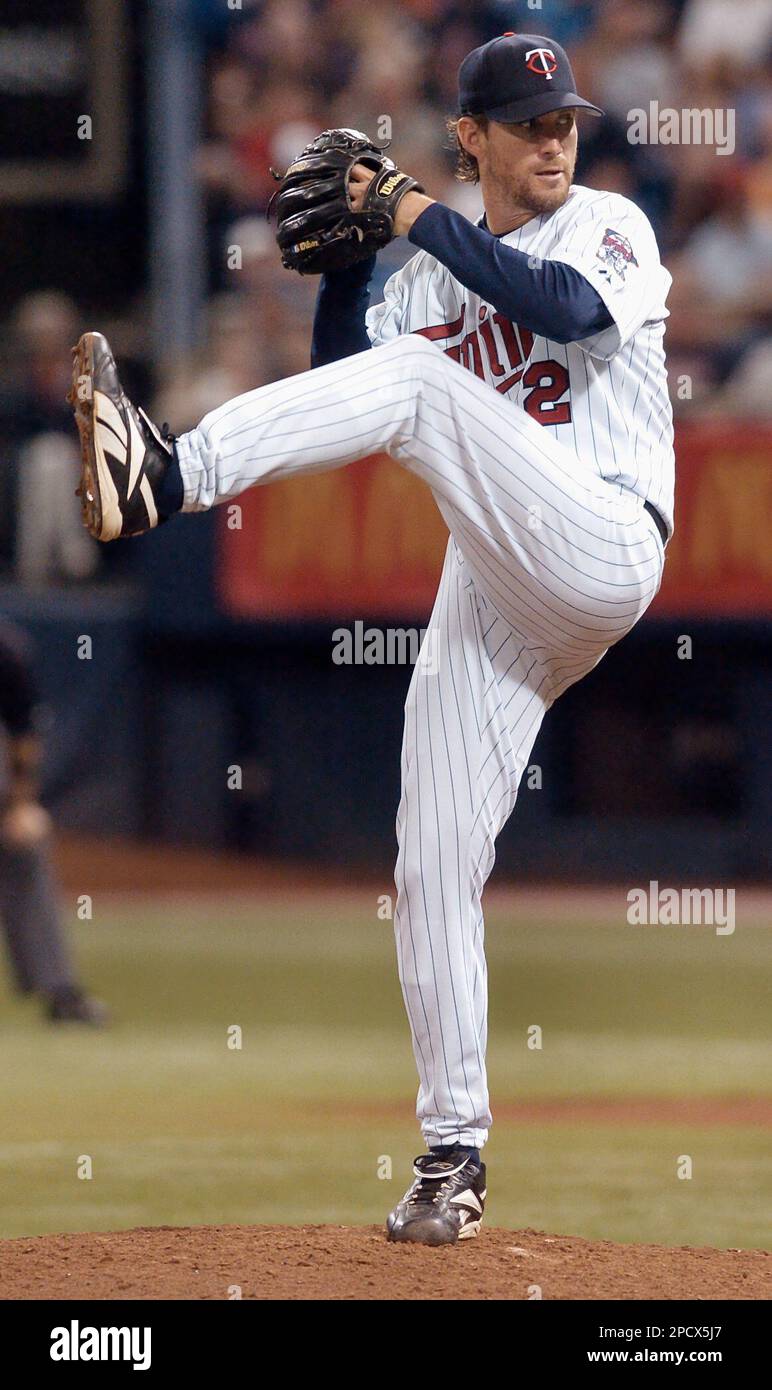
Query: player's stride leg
[471, 718]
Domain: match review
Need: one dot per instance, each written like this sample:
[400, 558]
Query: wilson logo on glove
[389, 184]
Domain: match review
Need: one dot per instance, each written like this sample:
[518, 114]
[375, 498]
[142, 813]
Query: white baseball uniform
[538, 456]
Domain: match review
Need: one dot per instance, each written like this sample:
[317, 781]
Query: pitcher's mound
[331, 1262]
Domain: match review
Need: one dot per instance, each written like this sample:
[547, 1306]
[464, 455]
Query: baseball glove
[317, 228]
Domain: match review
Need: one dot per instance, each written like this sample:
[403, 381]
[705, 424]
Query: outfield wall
[655, 766]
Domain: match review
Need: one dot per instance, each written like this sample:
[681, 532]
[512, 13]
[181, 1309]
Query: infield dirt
[356, 1262]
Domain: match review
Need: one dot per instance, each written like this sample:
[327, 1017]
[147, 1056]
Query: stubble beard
[524, 193]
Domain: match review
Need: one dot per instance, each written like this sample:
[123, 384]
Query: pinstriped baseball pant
[548, 564]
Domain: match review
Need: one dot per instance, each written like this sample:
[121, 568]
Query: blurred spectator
[566, 20]
[723, 275]
[729, 257]
[721, 300]
[746, 393]
[710, 30]
[627, 59]
[29, 911]
[232, 361]
[38, 450]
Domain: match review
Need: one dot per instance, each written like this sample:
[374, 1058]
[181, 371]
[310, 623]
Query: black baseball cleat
[125, 456]
[444, 1204]
[71, 1004]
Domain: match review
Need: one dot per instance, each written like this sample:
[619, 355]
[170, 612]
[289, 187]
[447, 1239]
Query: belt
[658, 522]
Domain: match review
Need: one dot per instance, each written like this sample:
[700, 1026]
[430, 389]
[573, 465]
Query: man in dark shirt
[29, 911]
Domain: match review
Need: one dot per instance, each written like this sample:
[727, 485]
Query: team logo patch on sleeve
[616, 251]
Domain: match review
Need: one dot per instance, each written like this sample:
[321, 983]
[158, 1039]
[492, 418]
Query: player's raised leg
[567, 557]
[586, 557]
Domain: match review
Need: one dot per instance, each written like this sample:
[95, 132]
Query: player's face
[531, 164]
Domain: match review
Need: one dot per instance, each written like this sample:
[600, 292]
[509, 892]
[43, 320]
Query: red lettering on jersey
[548, 380]
[486, 333]
[518, 341]
[526, 341]
[511, 345]
[471, 356]
[444, 330]
[509, 381]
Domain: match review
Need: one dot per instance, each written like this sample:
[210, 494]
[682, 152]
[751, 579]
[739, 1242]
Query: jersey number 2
[549, 381]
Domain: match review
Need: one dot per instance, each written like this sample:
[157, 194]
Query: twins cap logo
[541, 60]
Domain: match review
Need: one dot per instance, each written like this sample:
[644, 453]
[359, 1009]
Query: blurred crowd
[279, 71]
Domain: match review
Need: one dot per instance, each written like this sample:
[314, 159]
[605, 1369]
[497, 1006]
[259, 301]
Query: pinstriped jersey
[605, 397]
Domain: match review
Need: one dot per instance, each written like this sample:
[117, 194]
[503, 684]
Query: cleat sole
[98, 498]
[80, 397]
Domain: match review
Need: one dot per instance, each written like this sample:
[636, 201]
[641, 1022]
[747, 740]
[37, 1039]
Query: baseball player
[29, 912]
[517, 367]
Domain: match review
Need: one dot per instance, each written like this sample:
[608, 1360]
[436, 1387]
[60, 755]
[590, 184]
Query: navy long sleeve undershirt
[339, 318]
[549, 298]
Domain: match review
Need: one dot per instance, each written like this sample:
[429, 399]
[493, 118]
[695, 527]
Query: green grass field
[181, 1129]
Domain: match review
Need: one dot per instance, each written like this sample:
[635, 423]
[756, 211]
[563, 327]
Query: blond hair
[467, 170]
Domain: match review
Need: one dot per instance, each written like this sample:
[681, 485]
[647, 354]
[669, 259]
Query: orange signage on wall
[720, 559]
[363, 539]
[368, 539]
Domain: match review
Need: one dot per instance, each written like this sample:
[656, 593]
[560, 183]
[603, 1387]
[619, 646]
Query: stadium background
[212, 647]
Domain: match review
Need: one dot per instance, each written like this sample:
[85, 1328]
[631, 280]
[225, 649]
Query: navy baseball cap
[517, 77]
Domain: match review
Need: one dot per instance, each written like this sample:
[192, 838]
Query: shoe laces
[162, 436]
[427, 1192]
[430, 1186]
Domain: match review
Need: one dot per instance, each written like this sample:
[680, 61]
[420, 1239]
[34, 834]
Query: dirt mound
[356, 1262]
